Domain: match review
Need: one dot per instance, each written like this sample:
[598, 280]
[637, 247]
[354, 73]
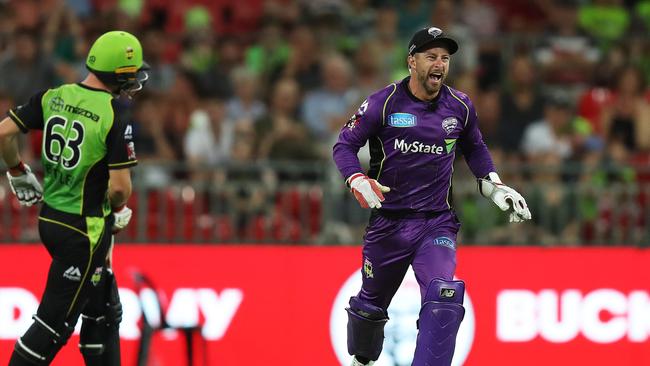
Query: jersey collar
[405, 85]
[93, 89]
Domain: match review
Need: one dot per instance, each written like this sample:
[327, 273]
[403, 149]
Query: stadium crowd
[560, 86]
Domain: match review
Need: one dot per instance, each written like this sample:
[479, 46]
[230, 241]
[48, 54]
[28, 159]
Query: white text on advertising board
[601, 316]
[17, 305]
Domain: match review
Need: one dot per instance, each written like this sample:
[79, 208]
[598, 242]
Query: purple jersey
[413, 145]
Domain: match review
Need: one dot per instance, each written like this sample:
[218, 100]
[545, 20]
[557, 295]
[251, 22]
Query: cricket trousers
[393, 241]
[78, 247]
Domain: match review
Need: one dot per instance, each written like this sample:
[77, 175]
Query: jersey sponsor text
[418, 147]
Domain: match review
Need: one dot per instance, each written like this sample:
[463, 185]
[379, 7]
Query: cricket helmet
[116, 59]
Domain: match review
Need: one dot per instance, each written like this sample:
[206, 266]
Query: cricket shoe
[356, 362]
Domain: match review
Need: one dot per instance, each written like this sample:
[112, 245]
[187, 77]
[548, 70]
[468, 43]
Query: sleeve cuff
[21, 125]
[123, 165]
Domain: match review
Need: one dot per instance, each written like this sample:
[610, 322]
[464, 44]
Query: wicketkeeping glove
[506, 198]
[122, 217]
[25, 185]
[367, 191]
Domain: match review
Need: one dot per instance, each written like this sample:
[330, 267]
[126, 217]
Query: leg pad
[41, 342]
[365, 329]
[440, 318]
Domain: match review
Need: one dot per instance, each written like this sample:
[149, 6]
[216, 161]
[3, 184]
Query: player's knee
[445, 291]
[42, 341]
[440, 317]
[91, 337]
[113, 309]
[365, 329]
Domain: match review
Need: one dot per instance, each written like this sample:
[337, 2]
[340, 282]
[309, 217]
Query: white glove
[367, 191]
[504, 197]
[122, 217]
[25, 186]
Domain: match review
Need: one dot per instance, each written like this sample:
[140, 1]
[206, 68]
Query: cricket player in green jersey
[87, 151]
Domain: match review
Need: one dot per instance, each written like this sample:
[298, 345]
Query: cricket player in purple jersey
[414, 128]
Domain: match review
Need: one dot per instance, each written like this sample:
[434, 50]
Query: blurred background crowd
[235, 129]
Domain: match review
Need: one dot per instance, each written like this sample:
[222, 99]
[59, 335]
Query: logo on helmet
[129, 53]
[92, 59]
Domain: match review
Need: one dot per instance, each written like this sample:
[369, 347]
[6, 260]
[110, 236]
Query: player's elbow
[119, 187]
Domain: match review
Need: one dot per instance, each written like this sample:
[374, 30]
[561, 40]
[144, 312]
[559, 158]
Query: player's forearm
[119, 187]
[118, 197]
[478, 157]
[9, 150]
[346, 159]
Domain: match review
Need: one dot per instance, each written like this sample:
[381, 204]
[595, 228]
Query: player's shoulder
[385, 92]
[461, 100]
[379, 98]
[458, 95]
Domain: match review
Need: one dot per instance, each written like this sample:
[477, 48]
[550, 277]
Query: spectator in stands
[550, 135]
[151, 141]
[269, 53]
[325, 110]
[554, 204]
[598, 96]
[252, 183]
[393, 55]
[566, 57]
[411, 15]
[444, 16]
[489, 103]
[628, 119]
[163, 72]
[521, 103]
[245, 104]
[303, 63]
[25, 69]
[369, 75]
[64, 40]
[358, 19]
[604, 20]
[279, 136]
[209, 139]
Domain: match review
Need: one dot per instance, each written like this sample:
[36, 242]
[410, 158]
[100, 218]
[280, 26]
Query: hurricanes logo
[56, 104]
[367, 268]
[434, 31]
[449, 124]
[129, 53]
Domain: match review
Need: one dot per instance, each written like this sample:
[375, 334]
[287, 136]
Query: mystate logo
[423, 148]
[401, 331]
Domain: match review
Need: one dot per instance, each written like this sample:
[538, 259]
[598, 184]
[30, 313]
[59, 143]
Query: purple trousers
[392, 243]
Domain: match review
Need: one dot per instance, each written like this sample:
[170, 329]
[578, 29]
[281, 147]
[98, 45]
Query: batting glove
[367, 191]
[122, 217]
[24, 185]
[506, 198]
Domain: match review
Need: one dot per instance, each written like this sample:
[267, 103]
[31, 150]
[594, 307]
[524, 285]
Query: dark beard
[423, 78]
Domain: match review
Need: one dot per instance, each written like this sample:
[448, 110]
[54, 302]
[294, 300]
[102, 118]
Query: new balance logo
[447, 293]
[73, 274]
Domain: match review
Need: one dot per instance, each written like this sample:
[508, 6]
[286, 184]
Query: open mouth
[435, 76]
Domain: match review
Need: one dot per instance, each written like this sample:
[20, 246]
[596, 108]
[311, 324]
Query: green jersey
[86, 132]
